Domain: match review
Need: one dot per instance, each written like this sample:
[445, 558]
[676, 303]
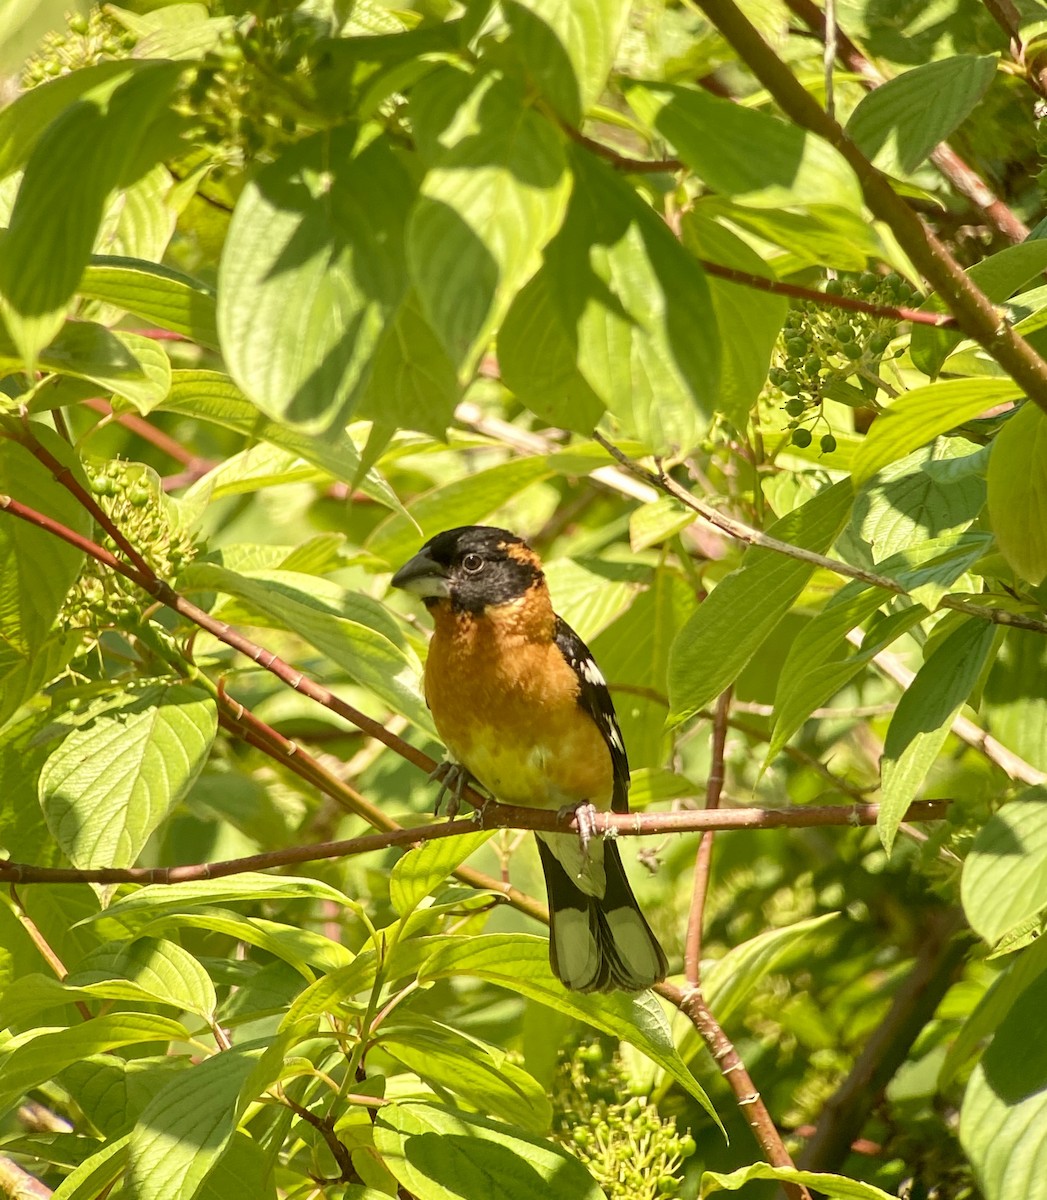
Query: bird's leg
[585, 815]
[453, 779]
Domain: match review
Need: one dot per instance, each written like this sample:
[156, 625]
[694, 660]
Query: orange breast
[504, 701]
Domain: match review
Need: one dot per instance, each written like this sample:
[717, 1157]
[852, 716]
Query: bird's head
[473, 567]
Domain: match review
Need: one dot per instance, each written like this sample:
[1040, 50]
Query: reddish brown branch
[692, 1004]
[495, 816]
[851, 303]
[148, 433]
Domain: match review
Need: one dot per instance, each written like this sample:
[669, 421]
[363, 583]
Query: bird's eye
[472, 563]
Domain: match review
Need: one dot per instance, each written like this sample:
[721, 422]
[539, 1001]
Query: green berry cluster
[821, 348]
[87, 39]
[629, 1148]
[249, 95]
[129, 494]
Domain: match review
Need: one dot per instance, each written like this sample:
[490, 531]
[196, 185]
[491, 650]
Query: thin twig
[692, 959]
[495, 816]
[44, 947]
[851, 303]
[742, 532]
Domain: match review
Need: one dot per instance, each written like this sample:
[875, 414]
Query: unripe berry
[801, 437]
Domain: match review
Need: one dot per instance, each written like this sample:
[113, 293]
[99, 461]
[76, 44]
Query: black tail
[598, 943]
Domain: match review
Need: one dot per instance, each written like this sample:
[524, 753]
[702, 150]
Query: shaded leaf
[311, 271]
[1018, 492]
[922, 720]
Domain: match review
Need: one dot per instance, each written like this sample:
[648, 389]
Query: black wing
[594, 697]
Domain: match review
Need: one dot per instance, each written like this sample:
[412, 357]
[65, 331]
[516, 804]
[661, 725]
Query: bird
[524, 711]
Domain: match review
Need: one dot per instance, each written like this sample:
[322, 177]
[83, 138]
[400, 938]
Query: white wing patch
[591, 672]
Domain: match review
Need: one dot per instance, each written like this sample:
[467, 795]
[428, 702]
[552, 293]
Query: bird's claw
[585, 817]
[453, 779]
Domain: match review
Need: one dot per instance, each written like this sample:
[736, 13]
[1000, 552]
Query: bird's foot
[585, 816]
[453, 779]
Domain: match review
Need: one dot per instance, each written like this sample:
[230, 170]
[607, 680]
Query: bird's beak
[424, 576]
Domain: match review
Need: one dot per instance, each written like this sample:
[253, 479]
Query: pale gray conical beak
[423, 576]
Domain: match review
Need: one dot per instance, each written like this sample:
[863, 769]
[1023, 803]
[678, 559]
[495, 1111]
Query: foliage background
[287, 289]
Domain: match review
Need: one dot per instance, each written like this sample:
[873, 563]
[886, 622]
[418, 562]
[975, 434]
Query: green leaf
[808, 680]
[832, 1187]
[42, 1057]
[521, 963]
[495, 192]
[713, 647]
[923, 718]
[94, 1175]
[413, 383]
[211, 396]
[154, 293]
[23, 674]
[1018, 492]
[134, 367]
[443, 1154]
[900, 122]
[821, 235]
[25, 120]
[921, 415]
[567, 50]
[352, 630]
[244, 1168]
[185, 1129]
[480, 1073]
[1014, 698]
[36, 568]
[926, 495]
[158, 968]
[637, 307]
[749, 321]
[1004, 878]
[116, 776]
[311, 272]
[538, 360]
[1024, 968]
[746, 154]
[1005, 1104]
[93, 147]
[998, 276]
[154, 900]
[420, 870]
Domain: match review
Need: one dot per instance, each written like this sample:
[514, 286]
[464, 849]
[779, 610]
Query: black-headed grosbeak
[522, 706]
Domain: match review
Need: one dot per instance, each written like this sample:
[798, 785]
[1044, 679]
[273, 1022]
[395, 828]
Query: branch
[494, 816]
[965, 180]
[692, 1004]
[621, 162]
[755, 537]
[941, 954]
[1007, 16]
[852, 303]
[976, 314]
[20, 1185]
